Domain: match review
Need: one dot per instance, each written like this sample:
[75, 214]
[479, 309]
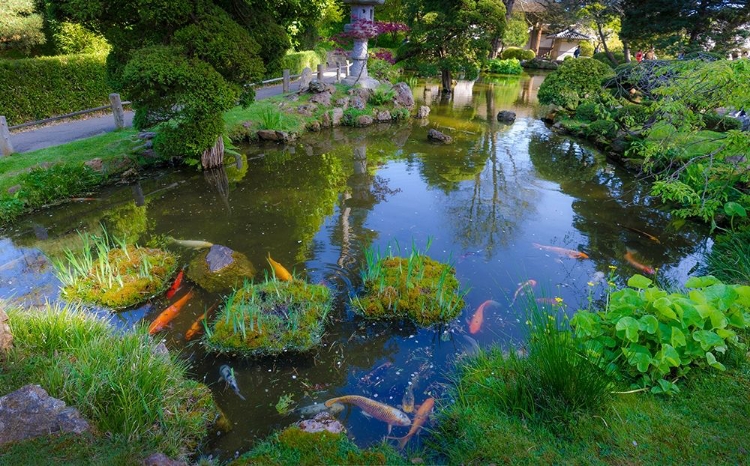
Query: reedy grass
[415, 287]
[729, 260]
[109, 272]
[120, 382]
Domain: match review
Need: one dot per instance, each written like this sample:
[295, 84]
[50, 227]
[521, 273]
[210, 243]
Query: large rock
[305, 79]
[364, 120]
[271, 135]
[336, 116]
[323, 98]
[30, 412]
[506, 117]
[383, 116]
[317, 87]
[220, 268]
[6, 337]
[423, 112]
[435, 135]
[357, 102]
[404, 97]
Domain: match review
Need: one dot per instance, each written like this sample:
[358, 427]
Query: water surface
[482, 202]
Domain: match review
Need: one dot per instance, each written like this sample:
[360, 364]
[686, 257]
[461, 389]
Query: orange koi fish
[279, 270]
[643, 268]
[176, 285]
[197, 326]
[521, 287]
[573, 254]
[169, 314]
[419, 419]
[478, 318]
[380, 411]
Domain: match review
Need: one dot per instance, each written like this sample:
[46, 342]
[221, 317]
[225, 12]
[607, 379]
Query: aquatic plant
[652, 337]
[285, 403]
[415, 287]
[729, 259]
[270, 317]
[109, 272]
[382, 94]
[139, 396]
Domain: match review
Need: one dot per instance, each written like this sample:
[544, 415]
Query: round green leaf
[639, 281]
[733, 208]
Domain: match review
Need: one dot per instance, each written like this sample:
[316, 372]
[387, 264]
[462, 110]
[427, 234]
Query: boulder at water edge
[30, 412]
[220, 268]
[506, 117]
[404, 97]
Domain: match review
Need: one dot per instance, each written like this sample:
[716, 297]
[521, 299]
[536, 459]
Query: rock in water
[435, 135]
[30, 412]
[218, 257]
[506, 117]
[322, 422]
[404, 97]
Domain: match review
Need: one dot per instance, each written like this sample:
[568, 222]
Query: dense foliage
[653, 337]
[454, 36]
[509, 66]
[573, 82]
[37, 88]
[518, 54]
[20, 25]
[185, 62]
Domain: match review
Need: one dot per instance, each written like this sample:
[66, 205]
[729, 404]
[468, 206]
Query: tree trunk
[447, 80]
[495, 46]
[603, 38]
[626, 51]
[508, 8]
[213, 157]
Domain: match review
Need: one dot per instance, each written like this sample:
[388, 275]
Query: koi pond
[522, 213]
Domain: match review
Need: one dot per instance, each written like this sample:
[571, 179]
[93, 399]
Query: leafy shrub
[587, 112]
[605, 130]
[73, 38]
[517, 53]
[573, 81]
[703, 56]
[716, 122]
[649, 336]
[509, 66]
[426, 70]
[295, 62]
[602, 57]
[400, 113]
[11, 209]
[37, 88]
[383, 70]
[540, 64]
[382, 94]
[631, 115]
[587, 49]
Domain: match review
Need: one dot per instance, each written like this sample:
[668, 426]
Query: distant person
[650, 55]
[639, 56]
[577, 51]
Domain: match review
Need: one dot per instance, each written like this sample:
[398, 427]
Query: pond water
[485, 202]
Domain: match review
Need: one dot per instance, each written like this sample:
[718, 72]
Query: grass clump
[729, 260]
[138, 399]
[415, 287]
[269, 318]
[111, 273]
[294, 446]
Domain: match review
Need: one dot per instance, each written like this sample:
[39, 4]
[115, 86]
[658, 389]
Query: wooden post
[6, 148]
[346, 70]
[320, 72]
[117, 111]
[338, 72]
[285, 82]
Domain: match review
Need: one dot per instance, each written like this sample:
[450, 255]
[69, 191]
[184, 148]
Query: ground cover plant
[507, 66]
[109, 272]
[294, 446]
[270, 317]
[414, 287]
[651, 337]
[138, 398]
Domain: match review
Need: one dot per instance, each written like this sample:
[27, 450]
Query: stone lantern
[361, 10]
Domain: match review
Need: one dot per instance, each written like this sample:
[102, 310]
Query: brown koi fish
[419, 419]
[380, 411]
[573, 254]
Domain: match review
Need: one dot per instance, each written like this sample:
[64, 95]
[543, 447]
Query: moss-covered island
[415, 287]
[114, 274]
[270, 317]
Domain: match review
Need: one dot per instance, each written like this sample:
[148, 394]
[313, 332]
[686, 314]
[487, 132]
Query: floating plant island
[270, 317]
[415, 287]
[116, 276]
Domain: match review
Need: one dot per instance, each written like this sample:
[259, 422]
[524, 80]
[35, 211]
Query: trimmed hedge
[36, 88]
[298, 61]
[518, 54]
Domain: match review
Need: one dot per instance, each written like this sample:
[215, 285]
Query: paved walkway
[73, 130]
